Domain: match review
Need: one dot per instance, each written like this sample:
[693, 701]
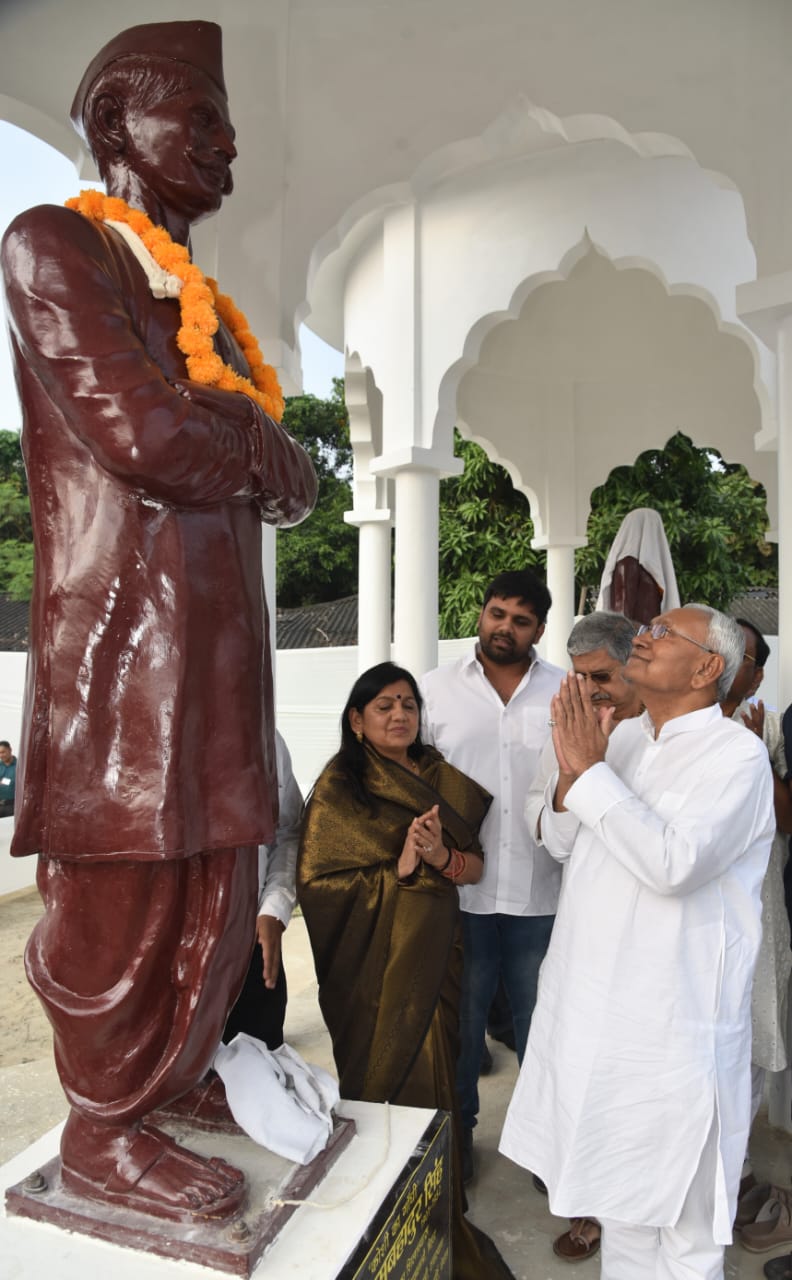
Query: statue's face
[182, 148]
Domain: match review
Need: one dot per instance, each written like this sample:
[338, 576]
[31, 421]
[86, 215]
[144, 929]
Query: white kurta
[642, 1031]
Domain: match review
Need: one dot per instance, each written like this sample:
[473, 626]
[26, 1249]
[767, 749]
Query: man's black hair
[522, 585]
[762, 647]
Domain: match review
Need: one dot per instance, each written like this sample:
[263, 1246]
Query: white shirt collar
[682, 724]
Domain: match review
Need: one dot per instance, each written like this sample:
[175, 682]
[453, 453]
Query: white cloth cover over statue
[642, 537]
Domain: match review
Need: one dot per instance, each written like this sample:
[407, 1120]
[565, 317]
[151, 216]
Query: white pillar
[784, 357]
[416, 587]
[561, 585]
[374, 586]
[779, 1100]
[765, 306]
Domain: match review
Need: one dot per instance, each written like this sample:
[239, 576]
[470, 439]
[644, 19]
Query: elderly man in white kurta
[633, 1101]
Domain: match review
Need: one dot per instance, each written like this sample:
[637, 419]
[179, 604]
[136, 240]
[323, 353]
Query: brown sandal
[581, 1241]
[772, 1225]
[750, 1204]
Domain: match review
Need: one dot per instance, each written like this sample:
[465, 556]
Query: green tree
[715, 519]
[714, 514]
[485, 528]
[317, 560]
[16, 532]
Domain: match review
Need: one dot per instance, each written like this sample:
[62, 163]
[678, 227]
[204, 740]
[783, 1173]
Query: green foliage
[485, 528]
[714, 515]
[715, 519]
[322, 427]
[12, 466]
[16, 532]
[16, 568]
[317, 560]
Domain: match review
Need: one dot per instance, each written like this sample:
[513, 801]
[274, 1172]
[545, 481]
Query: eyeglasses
[600, 677]
[659, 629]
[747, 658]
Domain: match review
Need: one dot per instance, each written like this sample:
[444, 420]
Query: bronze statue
[147, 773]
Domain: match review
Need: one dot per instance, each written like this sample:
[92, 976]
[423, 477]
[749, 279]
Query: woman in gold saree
[390, 831]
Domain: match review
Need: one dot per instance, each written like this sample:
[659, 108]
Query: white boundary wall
[311, 689]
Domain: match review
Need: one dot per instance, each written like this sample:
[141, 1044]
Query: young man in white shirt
[633, 1101]
[488, 714]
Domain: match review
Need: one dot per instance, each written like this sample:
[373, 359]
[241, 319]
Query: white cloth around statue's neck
[161, 283]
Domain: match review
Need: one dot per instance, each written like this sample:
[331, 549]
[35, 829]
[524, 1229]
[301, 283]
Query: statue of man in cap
[147, 773]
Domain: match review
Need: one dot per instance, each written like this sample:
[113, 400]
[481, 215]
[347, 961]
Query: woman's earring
[359, 735]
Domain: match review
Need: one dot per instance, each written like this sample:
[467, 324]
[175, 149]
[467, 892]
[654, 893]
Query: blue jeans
[496, 945]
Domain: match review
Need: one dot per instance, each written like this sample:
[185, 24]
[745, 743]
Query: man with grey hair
[599, 646]
[633, 1101]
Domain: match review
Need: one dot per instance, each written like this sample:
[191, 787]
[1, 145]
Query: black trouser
[259, 1011]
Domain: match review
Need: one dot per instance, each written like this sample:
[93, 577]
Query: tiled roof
[312, 627]
[758, 606]
[14, 618]
[318, 626]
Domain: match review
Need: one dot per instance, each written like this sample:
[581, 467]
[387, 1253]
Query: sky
[38, 174]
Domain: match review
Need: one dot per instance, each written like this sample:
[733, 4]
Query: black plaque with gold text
[410, 1237]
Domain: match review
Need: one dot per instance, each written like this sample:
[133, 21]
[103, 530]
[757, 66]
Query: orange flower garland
[201, 304]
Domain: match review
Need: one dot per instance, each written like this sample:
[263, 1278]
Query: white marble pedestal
[315, 1243]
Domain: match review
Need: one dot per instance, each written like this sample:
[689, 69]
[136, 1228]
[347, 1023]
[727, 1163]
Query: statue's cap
[199, 44]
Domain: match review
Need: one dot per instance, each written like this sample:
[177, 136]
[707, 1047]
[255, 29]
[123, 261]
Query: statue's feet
[205, 1106]
[141, 1168]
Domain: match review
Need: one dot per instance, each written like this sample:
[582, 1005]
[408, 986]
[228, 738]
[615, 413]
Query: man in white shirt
[488, 715]
[260, 1009]
[599, 646]
[633, 1101]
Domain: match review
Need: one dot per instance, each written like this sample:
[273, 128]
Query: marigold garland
[201, 304]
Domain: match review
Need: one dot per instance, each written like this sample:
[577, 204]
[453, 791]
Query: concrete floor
[503, 1200]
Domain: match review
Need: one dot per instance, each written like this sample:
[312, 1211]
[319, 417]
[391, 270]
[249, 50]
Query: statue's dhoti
[137, 965]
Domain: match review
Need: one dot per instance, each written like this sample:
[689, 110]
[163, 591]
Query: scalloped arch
[364, 406]
[447, 416]
[491, 450]
[523, 127]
